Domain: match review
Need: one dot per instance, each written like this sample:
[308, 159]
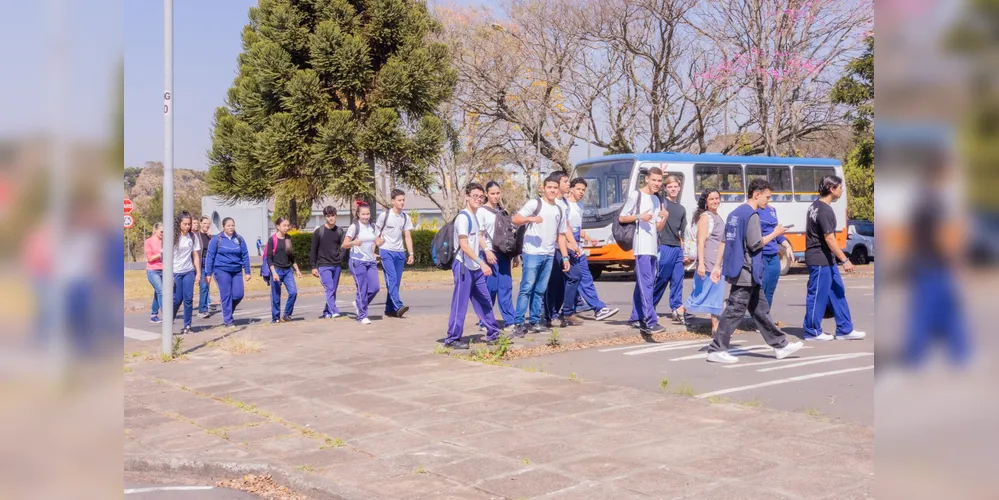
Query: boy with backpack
[546, 225]
[395, 227]
[558, 281]
[470, 273]
[579, 281]
[644, 210]
[325, 259]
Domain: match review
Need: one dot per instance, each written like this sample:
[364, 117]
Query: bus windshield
[607, 185]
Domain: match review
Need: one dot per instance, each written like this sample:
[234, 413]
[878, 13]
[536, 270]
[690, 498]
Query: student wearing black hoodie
[324, 258]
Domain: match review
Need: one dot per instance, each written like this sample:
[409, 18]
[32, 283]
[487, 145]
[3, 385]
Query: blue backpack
[444, 247]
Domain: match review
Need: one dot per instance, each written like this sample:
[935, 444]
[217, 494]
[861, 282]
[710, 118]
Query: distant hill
[142, 183]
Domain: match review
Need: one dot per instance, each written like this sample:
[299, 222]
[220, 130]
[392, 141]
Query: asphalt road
[834, 379]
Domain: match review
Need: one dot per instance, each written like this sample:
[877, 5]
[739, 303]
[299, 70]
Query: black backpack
[504, 237]
[624, 234]
[522, 230]
[445, 247]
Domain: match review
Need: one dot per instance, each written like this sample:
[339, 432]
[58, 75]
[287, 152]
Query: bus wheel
[596, 271]
[785, 264]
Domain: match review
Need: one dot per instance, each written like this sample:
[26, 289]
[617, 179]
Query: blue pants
[573, 278]
[936, 316]
[183, 290]
[469, 286]
[230, 285]
[669, 272]
[500, 286]
[204, 287]
[555, 294]
[366, 277]
[771, 275]
[825, 287]
[393, 263]
[533, 284]
[155, 278]
[287, 277]
[588, 289]
[645, 278]
[330, 278]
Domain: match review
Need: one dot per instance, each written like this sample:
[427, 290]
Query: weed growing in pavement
[333, 443]
[526, 461]
[553, 339]
[128, 369]
[573, 377]
[178, 346]
[442, 350]
[816, 413]
[420, 470]
[243, 343]
[717, 399]
[663, 384]
[219, 433]
[166, 358]
[685, 390]
[306, 468]
[752, 404]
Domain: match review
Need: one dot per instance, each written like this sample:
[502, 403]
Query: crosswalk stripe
[816, 361]
[137, 334]
[735, 352]
[646, 346]
[698, 345]
[782, 381]
[778, 361]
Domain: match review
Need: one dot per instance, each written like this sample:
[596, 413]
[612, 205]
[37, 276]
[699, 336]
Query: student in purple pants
[470, 273]
[361, 239]
[324, 259]
[644, 209]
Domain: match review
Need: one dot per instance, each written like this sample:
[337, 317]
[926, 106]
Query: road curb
[167, 467]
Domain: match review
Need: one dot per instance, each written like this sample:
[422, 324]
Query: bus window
[806, 182]
[592, 196]
[727, 179]
[604, 182]
[779, 178]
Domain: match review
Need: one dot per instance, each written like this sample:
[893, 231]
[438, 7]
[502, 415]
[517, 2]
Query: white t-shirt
[393, 231]
[487, 222]
[186, 245]
[540, 239]
[646, 236]
[467, 224]
[575, 217]
[365, 252]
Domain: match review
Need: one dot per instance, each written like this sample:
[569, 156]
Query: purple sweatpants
[469, 285]
[366, 277]
[330, 278]
[645, 280]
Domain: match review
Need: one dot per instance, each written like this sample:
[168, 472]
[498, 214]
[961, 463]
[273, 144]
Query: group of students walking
[555, 284]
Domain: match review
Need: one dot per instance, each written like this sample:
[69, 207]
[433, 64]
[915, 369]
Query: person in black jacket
[324, 258]
[203, 230]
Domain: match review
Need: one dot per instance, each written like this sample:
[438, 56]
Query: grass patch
[219, 433]
[526, 461]
[421, 470]
[685, 390]
[554, 339]
[178, 346]
[333, 443]
[752, 404]
[573, 377]
[128, 369]
[242, 343]
[306, 468]
[816, 414]
[663, 384]
[718, 399]
[442, 350]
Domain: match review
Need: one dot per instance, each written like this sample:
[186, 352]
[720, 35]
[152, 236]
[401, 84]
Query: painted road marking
[735, 352]
[130, 491]
[136, 334]
[699, 345]
[816, 361]
[779, 361]
[782, 381]
[646, 345]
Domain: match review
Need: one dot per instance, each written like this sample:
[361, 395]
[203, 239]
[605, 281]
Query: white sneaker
[854, 335]
[365, 321]
[823, 337]
[334, 316]
[721, 357]
[789, 349]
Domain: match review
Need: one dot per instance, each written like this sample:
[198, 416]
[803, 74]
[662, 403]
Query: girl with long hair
[280, 255]
[361, 239]
[186, 267]
[708, 295]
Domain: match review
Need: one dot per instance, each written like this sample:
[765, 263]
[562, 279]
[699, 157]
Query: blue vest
[735, 243]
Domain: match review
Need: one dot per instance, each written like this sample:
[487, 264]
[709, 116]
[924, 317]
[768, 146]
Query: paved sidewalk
[337, 410]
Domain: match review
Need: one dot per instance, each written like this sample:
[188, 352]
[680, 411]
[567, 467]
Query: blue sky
[93, 45]
[206, 45]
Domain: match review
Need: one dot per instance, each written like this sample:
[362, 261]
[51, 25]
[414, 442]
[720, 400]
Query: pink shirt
[154, 246]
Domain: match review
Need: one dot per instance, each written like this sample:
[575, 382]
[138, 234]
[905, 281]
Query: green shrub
[422, 239]
[301, 243]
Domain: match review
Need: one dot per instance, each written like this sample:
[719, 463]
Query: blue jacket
[735, 246]
[227, 254]
[768, 222]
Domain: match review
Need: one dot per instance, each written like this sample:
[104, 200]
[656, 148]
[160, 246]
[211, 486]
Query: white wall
[251, 219]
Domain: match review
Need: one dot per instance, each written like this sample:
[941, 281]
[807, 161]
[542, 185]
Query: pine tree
[325, 90]
[856, 89]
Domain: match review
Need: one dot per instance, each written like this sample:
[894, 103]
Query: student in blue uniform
[670, 266]
[644, 209]
[771, 252]
[500, 282]
[395, 227]
[227, 257]
[579, 281]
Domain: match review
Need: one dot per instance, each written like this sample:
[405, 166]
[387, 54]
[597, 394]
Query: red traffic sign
[129, 222]
[128, 206]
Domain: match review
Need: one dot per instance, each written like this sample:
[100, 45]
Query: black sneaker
[655, 329]
[635, 324]
[519, 331]
[401, 312]
[185, 331]
[538, 329]
[461, 344]
[285, 319]
[493, 342]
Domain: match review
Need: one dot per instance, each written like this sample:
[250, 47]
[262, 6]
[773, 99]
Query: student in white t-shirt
[650, 218]
[544, 232]
[186, 267]
[470, 273]
[361, 238]
[395, 227]
[557, 282]
[500, 283]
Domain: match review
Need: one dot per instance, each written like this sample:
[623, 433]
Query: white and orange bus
[611, 178]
